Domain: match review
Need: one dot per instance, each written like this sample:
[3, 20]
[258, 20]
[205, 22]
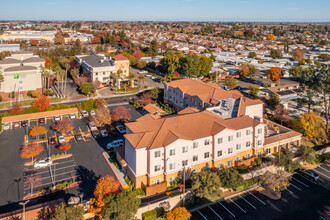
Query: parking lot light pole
[23, 204]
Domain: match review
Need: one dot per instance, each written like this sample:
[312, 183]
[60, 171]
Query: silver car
[42, 163]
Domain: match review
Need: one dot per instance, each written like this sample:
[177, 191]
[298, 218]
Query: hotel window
[219, 140]
[206, 155]
[230, 150]
[195, 158]
[230, 137]
[219, 153]
[248, 132]
[238, 158]
[248, 144]
[184, 149]
[238, 134]
[219, 165]
[157, 168]
[185, 163]
[157, 154]
[96, 74]
[172, 179]
[259, 142]
[230, 163]
[195, 144]
[238, 146]
[206, 142]
[248, 156]
[172, 166]
[157, 181]
[267, 151]
[172, 152]
[259, 130]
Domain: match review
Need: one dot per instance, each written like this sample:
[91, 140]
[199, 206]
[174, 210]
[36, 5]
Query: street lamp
[23, 204]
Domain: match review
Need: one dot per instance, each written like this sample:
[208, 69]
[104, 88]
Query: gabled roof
[20, 68]
[9, 61]
[119, 57]
[152, 108]
[96, 60]
[33, 60]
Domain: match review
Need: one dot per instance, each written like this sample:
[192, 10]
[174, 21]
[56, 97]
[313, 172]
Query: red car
[52, 140]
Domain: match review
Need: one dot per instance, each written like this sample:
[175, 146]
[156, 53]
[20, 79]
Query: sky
[167, 10]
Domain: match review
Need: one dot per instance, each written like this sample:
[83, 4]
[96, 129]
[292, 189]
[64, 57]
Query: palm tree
[131, 77]
[118, 76]
[2, 78]
[142, 79]
[46, 76]
[66, 65]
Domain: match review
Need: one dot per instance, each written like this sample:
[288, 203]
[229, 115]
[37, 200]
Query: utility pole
[23, 204]
[184, 185]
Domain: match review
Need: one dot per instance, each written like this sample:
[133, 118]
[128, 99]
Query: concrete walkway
[118, 174]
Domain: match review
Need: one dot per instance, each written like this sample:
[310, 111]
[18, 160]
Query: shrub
[265, 159]
[253, 163]
[138, 192]
[128, 181]
[48, 92]
[12, 94]
[150, 215]
[29, 93]
[0, 98]
[258, 161]
[242, 169]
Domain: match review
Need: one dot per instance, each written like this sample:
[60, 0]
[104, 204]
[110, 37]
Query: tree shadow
[88, 181]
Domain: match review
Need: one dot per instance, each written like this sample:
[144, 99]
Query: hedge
[154, 214]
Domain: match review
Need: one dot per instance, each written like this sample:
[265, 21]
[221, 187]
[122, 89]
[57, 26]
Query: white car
[92, 112]
[72, 116]
[57, 118]
[143, 71]
[84, 113]
[148, 75]
[6, 126]
[121, 129]
[61, 139]
[42, 163]
[116, 143]
[104, 133]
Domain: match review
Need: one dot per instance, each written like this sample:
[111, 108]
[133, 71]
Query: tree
[64, 147]
[153, 48]
[172, 61]
[231, 82]
[74, 73]
[76, 48]
[118, 75]
[86, 88]
[121, 206]
[105, 186]
[32, 180]
[307, 154]
[271, 36]
[205, 65]
[286, 160]
[307, 98]
[276, 182]
[179, 213]
[244, 70]
[63, 212]
[252, 70]
[59, 39]
[100, 103]
[324, 57]
[102, 117]
[254, 90]
[154, 93]
[31, 150]
[41, 102]
[280, 113]
[120, 114]
[141, 64]
[191, 63]
[274, 100]
[274, 73]
[145, 99]
[95, 85]
[317, 64]
[37, 130]
[137, 53]
[297, 55]
[313, 127]
[16, 107]
[296, 71]
[131, 77]
[252, 55]
[64, 126]
[276, 54]
[206, 184]
[230, 178]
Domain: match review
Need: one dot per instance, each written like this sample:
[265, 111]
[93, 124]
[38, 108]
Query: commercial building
[9, 47]
[22, 73]
[28, 35]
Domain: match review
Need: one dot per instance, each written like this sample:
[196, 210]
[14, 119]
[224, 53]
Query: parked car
[16, 125]
[78, 137]
[6, 126]
[61, 139]
[24, 123]
[96, 134]
[121, 129]
[84, 113]
[309, 174]
[92, 112]
[42, 163]
[41, 120]
[143, 71]
[57, 118]
[148, 75]
[113, 131]
[115, 143]
[72, 116]
[104, 133]
[52, 140]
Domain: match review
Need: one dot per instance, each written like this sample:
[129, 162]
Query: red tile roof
[119, 57]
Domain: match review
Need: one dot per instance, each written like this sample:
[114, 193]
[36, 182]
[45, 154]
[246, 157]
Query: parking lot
[304, 199]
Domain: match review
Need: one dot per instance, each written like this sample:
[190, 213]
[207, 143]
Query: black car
[309, 174]
[78, 137]
[41, 120]
[24, 123]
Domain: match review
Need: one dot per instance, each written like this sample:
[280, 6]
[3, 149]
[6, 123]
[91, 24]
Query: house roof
[152, 108]
[158, 132]
[20, 68]
[119, 57]
[9, 61]
[33, 60]
[96, 61]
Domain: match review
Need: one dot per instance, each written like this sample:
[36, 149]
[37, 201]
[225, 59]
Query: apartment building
[22, 72]
[101, 67]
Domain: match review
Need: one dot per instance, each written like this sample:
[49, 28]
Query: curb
[108, 162]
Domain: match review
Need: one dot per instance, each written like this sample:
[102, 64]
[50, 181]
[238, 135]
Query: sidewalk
[120, 176]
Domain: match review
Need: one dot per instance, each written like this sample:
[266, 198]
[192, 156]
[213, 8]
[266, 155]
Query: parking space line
[201, 214]
[60, 168]
[289, 191]
[328, 177]
[238, 205]
[295, 186]
[324, 169]
[247, 202]
[307, 179]
[257, 198]
[226, 209]
[215, 212]
[45, 184]
[300, 182]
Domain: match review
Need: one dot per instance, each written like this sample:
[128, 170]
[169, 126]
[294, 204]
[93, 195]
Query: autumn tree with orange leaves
[179, 213]
[244, 70]
[42, 102]
[298, 55]
[271, 36]
[64, 147]
[120, 114]
[37, 130]
[31, 150]
[16, 107]
[274, 74]
[63, 126]
[280, 113]
[105, 186]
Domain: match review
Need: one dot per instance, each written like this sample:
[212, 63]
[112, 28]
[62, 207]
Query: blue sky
[167, 10]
